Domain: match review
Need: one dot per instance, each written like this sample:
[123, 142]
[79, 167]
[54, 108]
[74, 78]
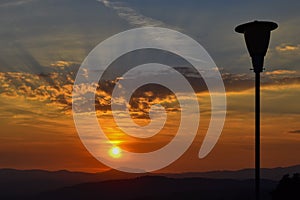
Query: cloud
[273, 80]
[295, 131]
[287, 48]
[14, 3]
[132, 16]
[55, 89]
[281, 72]
[62, 64]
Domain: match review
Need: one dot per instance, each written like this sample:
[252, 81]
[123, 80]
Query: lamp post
[257, 37]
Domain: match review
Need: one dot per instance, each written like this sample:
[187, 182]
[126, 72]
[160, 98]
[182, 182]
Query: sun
[115, 152]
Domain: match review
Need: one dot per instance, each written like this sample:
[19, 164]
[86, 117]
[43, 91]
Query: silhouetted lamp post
[257, 37]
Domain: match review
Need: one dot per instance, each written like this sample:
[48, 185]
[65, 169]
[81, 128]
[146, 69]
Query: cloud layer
[56, 88]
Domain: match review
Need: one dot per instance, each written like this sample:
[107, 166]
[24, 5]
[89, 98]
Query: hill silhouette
[159, 187]
[18, 184]
[288, 188]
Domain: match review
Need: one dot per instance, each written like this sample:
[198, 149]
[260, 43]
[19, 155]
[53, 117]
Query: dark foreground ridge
[40, 184]
[159, 187]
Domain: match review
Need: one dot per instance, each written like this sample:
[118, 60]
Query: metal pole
[257, 37]
[257, 135]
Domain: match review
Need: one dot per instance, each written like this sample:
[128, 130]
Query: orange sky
[40, 134]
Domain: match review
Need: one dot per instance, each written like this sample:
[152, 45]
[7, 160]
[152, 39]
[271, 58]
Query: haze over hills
[19, 183]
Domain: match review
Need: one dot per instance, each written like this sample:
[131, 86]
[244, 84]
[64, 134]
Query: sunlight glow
[115, 152]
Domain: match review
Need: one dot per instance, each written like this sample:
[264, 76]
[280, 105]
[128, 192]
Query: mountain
[20, 183]
[159, 187]
[28, 182]
[266, 173]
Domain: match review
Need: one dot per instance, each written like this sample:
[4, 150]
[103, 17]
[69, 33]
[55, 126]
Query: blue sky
[42, 32]
[212, 24]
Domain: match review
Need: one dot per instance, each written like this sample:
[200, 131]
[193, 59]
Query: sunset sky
[44, 42]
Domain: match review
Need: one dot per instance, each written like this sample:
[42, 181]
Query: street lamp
[257, 37]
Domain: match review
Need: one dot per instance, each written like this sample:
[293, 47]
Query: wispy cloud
[14, 3]
[295, 131]
[62, 64]
[132, 16]
[281, 72]
[287, 47]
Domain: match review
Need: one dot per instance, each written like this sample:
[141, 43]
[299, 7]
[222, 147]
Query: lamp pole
[257, 37]
[257, 135]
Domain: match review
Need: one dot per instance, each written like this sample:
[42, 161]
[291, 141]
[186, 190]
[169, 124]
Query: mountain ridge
[161, 187]
[14, 182]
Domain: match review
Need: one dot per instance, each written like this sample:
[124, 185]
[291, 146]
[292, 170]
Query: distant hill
[20, 183]
[27, 182]
[266, 173]
[159, 187]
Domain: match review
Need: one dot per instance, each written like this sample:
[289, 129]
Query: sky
[44, 42]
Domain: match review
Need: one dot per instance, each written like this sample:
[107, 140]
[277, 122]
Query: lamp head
[257, 37]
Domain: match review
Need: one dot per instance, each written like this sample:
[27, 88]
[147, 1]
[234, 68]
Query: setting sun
[115, 152]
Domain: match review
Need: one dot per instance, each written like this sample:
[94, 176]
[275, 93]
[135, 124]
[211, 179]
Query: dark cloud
[295, 131]
[56, 88]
